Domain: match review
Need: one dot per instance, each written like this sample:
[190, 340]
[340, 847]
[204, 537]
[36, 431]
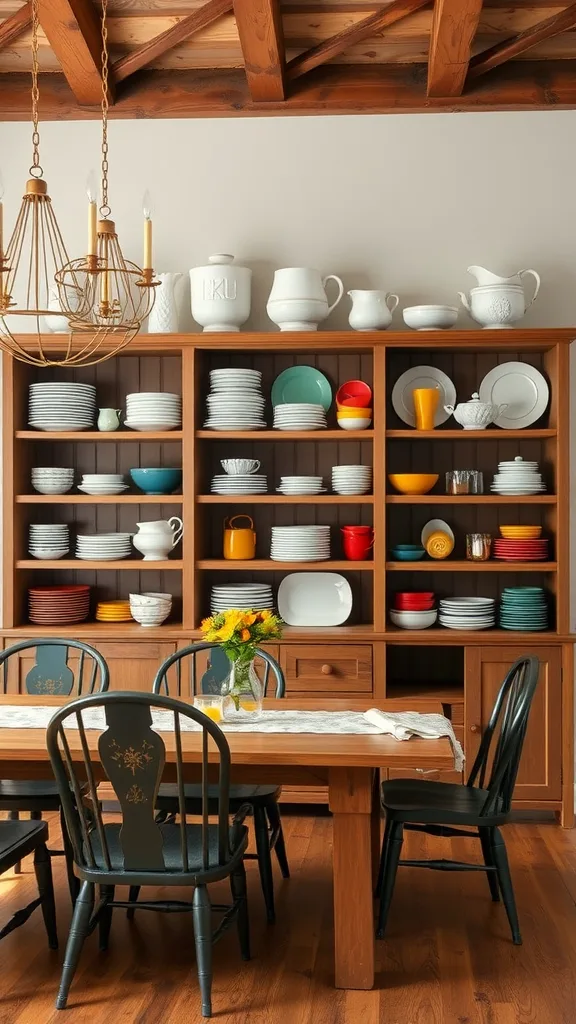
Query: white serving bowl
[47, 553]
[234, 467]
[52, 488]
[350, 423]
[149, 619]
[430, 318]
[413, 620]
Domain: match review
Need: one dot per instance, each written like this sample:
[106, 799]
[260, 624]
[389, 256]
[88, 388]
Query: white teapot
[498, 302]
[475, 415]
[154, 540]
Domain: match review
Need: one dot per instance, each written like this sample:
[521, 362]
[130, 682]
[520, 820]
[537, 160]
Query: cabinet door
[132, 665]
[540, 771]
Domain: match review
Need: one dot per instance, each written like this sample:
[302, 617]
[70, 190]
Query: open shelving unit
[457, 667]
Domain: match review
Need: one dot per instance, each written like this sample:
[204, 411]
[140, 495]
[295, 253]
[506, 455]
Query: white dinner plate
[422, 377]
[314, 599]
[522, 387]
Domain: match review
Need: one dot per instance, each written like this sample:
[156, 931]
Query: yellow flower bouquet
[239, 633]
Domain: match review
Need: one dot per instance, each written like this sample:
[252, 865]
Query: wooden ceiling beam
[15, 25]
[330, 48]
[454, 25]
[179, 33]
[335, 89]
[73, 29]
[259, 24]
[502, 52]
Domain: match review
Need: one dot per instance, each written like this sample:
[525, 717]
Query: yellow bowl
[413, 483]
[521, 532]
[350, 413]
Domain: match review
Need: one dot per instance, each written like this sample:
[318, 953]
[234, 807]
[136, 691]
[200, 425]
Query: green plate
[302, 384]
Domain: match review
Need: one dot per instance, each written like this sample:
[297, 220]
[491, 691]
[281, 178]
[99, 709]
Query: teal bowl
[405, 555]
[157, 481]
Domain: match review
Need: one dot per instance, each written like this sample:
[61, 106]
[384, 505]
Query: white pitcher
[163, 318]
[298, 300]
[154, 540]
[485, 278]
[371, 310]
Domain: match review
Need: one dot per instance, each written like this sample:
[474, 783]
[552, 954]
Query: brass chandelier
[104, 297]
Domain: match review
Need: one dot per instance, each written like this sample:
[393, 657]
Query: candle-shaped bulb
[92, 214]
[147, 210]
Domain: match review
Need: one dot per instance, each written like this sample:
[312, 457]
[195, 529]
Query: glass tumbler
[478, 546]
[464, 481]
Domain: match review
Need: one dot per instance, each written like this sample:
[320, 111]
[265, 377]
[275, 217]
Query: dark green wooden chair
[51, 675]
[442, 809]
[141, 851]
[262, 799]
[18, 839]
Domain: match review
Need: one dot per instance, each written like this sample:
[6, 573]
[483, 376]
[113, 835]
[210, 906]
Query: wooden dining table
[347, 764]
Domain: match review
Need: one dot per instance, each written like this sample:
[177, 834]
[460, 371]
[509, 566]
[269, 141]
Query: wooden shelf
[471, 499]
[80, 565]
[256, 564]
[285, 435]
[135, 436]
[99, 499]
[449, 565]
[471, 435]
[285, 499]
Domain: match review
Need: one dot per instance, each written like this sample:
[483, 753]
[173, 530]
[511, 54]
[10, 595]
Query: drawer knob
[474, 728]
[327, 670]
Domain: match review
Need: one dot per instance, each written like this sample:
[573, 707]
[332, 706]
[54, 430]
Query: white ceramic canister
[220, 294]
[298, 300]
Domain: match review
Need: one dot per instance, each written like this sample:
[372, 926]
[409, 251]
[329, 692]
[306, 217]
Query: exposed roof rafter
[454, 25]
[262, 40]
[502, 52]
[15, 25]
[74, 32]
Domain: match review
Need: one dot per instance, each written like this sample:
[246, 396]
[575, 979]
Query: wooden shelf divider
[258, 564]
[133, 436]
[99, 499]
[537, 434]
[454, 565]
[285, 435]
[285, 499]
[127, 564]
[471, 499]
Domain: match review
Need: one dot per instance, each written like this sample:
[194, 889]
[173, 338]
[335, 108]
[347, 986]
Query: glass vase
[242, 692]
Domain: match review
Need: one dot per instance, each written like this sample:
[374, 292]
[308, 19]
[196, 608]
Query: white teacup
[236, 466]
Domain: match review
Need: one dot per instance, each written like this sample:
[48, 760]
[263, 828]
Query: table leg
[351, 802]
[375, 828]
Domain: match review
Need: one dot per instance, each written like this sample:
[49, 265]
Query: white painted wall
[402, 202]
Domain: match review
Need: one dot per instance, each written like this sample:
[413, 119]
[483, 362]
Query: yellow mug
[239, 541]
[425, 405]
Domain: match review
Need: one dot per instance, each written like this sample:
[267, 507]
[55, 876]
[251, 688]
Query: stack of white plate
[299, 416]
[103, 547]
[51, 479]
[301, 485]
[300, 543]
[351, 479]
[257, 596]
[518, 477]
[62, 406]
[467, 612]
[102, 483]
[241, 483]
[153, 410]
[235, 401]
[49, 541]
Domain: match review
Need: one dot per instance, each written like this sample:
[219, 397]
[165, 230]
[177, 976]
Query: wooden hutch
[367, 656]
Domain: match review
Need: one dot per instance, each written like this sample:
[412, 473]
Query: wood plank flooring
[448, 958]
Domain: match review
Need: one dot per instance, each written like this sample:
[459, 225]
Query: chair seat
[29, 795]
[18, 839]
[440, 803]
[167, 799]
[172, 854]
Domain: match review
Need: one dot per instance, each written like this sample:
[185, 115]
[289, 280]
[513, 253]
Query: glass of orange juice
[209, 704]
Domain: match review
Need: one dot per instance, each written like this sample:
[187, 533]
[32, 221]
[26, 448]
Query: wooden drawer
[325, 669]
[457, 715]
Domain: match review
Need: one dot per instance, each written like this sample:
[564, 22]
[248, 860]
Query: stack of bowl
[414, 610]
[49, 540]
[354, 405]
[351, 479]
[150, 609]
[102, 483]
[52, 479]
[407, 552]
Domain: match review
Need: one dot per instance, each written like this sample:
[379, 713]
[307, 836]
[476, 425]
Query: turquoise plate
[302, 384]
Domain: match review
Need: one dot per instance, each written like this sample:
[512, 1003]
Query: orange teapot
[239, 541]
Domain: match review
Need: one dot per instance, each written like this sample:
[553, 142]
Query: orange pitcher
[425, 405]
[239, 541]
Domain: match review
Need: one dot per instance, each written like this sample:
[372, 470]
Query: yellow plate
[521, 532]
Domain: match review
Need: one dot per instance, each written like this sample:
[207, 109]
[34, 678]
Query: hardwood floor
[448, 958]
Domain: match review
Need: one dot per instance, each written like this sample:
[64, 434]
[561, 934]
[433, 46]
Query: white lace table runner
[402, 725]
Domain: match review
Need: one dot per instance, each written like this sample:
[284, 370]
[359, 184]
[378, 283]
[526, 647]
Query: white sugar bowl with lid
[220, 294]
[475, 415]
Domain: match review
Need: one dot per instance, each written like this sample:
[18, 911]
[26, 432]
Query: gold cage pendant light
[34, 252]
[103, 289]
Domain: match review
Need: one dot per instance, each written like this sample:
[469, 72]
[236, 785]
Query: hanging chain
[104, 209]
[36, 168]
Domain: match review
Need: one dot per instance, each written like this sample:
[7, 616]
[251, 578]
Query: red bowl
[416, 606]
[415, 594]
[355, 393]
